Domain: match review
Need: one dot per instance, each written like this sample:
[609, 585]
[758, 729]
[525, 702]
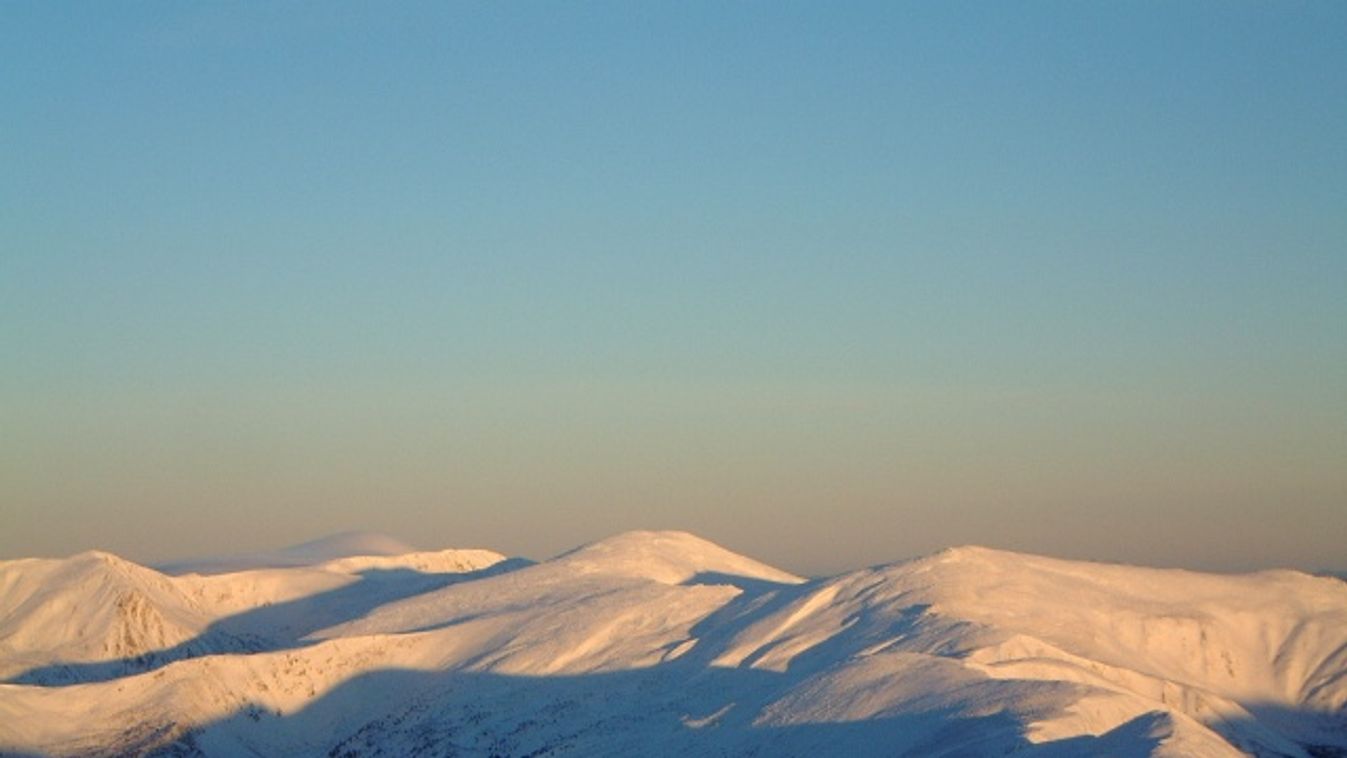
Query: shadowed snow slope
[664, 643]
[96, 616]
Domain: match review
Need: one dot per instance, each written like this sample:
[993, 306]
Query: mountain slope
[96, 616]
[92, 607]
[663, 642]
[1239, 654]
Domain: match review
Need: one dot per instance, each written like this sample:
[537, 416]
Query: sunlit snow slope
[664, 643]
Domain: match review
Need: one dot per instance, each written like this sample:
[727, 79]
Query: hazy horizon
[831, 565]
[830, 286]
[831, 568]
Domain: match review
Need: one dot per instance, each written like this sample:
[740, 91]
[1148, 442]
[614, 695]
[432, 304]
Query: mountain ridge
[667, 639]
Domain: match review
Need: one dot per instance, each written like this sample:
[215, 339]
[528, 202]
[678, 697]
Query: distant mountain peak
[347, 544]
[330, 548]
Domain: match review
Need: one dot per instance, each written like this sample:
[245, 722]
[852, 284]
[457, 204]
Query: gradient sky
[829, 283]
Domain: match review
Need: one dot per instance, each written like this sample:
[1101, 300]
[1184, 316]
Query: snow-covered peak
[322, 550]
[668, 557]
[346, 544]
[89, 607]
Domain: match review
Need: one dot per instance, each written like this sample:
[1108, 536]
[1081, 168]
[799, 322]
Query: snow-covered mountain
[664, 643]
[324, 549]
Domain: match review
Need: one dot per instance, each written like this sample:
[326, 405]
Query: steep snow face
[660, 642]
[92, 607]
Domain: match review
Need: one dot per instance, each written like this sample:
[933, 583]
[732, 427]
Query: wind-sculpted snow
[663, 643]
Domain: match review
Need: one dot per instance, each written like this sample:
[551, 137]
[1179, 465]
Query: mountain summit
[669, 557]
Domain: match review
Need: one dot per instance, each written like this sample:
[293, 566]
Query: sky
[832, 284]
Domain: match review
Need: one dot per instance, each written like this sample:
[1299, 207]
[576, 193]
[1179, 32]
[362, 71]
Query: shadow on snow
[271, 627]
[664, 710]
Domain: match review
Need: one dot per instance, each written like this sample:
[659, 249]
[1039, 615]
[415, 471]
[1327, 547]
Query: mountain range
[663, 643]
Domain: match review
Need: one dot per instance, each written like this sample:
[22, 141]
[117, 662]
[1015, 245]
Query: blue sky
[828, 283]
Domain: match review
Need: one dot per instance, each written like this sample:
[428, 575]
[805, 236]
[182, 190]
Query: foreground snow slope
[661, 642]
